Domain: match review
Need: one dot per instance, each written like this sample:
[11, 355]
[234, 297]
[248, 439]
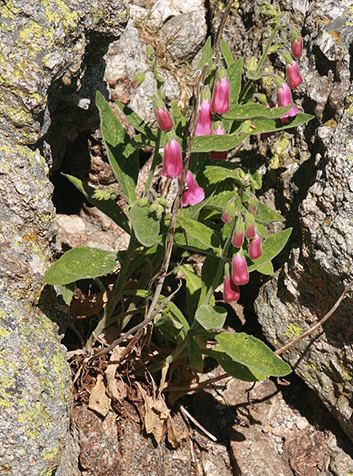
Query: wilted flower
[193, 193]
[220, 101]
[240, 274]
[231, 291]
[172, 161]
[255, 249]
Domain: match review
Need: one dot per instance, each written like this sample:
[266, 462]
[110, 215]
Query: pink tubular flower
[293, 75]
[193, 194]
[238, 233]
[220, 100]
[164, 120]
[296, 43]
[255, 249]
[240, 274]
[204, 123]
[284, 98]
[231, 291]
[172, 163]
[214, 155]
[249, 226]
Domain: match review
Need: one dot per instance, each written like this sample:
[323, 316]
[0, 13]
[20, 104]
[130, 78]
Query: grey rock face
[319, 195]
[47, 66]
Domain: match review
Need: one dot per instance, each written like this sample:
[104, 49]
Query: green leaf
[145, 223]
[253, 75]
[206, 54]
[253, 353]
[266, 269]
[81, 263]
[67, 292]
[208, 273]
[235, 72]
[272, 125]
[193, 289]
[109, 207]
[227, 54]
[217, 143]
[211, 318]
[195, 352]
[265, 215]
[171, 322]
[136, 121]
[216, 174]
[235, 369]
[195, 236]
[219, 200]
[273, 245]
[242, 112]
[122, 156]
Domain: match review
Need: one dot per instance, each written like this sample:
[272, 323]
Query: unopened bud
[249, 226]
[138, 80]
[238, 233]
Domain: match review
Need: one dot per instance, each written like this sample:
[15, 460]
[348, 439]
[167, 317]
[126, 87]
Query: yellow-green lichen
[4, 333]
[293, 331]
[279, 152]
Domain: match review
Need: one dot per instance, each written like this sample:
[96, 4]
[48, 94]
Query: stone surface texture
[309, 172]
[47, 66]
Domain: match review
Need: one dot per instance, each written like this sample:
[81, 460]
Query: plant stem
[154, 161]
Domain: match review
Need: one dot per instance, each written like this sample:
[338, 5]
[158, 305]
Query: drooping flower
[293, 75]
[240, 274]
[193, 193]
[172, 161]
[284, 98]
[221, 93]
[255, 248]
[238, 233]
[204, 122]
[296, 43]
[164, 120]
[231, 291]
[218, 155]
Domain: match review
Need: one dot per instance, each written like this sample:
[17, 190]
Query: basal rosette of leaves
[229, 207]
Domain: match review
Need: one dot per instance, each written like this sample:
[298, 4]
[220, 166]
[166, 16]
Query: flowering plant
[215, 213]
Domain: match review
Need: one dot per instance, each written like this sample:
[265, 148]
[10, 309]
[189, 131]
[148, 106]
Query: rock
[320, 263]
[162, 10]
[50, 71]
[184, 34]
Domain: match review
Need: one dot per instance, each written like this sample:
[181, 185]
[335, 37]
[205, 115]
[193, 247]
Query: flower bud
[220, 100]
[193, 193]
[228, 212]
[204, 122]
[138, 80]
[240, 274]
[238, 233]
[255, 249]
[172, 161]
[296, 43]
[252, 203]
[231, 291]
[163, 117]
[249, 226]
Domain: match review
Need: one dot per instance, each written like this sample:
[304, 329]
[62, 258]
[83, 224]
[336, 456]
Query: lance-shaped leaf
[145, 223]
[217, 143]
[273, 125]
[211, 318]
[109, 207]
[242, 112]
[122, 156]
[216, 174]
[265, 215]
[206, 54]
[253, 353]
[136, 121]
[235, 72]
[195, 236]
[235, 369]
[272, 245]
[81, 263]
[227, 54]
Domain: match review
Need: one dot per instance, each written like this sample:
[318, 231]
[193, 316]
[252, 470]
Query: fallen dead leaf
[156, 414]
[115, 388]
[175, 437]
[89, 306]
[99, 400]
